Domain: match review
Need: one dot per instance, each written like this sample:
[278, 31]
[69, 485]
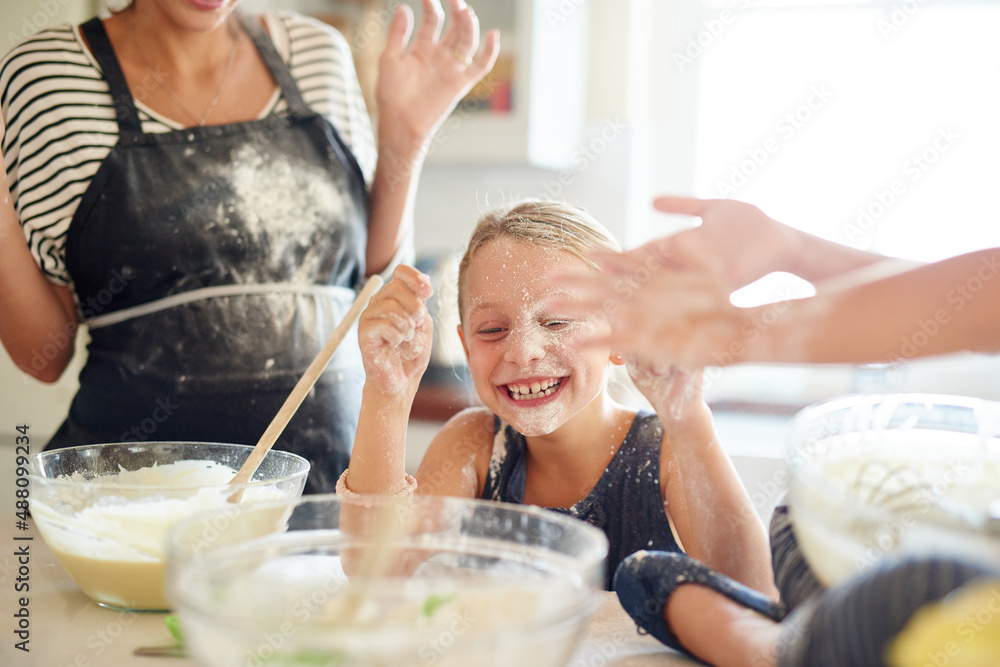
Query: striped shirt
[61, 123]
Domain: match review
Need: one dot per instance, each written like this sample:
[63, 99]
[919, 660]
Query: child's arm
[395, 333]
[703, 495]
[33, 311]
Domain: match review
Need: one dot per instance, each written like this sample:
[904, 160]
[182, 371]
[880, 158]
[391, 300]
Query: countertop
[66, 629]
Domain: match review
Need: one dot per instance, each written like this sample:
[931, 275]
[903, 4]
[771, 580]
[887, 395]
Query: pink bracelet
[409, 486]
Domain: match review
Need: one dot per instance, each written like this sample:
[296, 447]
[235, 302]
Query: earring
[617, 359]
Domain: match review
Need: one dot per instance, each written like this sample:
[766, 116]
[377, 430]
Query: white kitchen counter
[67, 629]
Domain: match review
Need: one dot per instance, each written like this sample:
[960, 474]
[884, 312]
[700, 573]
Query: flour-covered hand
[656, 310]
[421, 82]
[674, 392]
[395, 333]
[743, 242]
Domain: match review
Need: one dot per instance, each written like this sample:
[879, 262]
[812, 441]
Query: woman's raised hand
[421, 82]
[395, 332]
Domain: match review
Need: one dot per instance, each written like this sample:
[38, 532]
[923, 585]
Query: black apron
[211, 264]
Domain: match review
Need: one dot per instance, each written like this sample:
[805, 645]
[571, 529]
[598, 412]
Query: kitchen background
[871, 123]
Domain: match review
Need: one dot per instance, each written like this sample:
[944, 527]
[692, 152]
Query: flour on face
[523, 360]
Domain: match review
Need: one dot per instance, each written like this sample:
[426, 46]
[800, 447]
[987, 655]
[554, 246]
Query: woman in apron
[211, 248]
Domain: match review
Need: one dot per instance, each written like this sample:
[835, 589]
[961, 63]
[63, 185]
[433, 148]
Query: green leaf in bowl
[174, 626]
[435, 602]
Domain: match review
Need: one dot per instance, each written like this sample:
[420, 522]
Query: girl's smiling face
[520, 352]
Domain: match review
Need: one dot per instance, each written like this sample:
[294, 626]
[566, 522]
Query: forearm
[32, 314]
[949, 306]
[722, 528]
[394, 188]
[378, 460]
[747, 244]
[376, 468]
[816, 259]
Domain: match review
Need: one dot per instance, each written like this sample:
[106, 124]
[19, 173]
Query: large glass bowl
[882, 477]
[104, 510]
[381, 582]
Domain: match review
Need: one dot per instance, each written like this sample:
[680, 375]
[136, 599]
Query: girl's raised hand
[674, 392]
[395, 333]
[420, 83]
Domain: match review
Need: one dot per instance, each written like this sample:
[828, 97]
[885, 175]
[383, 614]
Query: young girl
[550, 434]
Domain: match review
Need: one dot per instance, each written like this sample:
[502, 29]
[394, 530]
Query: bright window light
[871, 124]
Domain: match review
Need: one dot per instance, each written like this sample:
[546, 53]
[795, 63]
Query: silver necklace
[200, 120]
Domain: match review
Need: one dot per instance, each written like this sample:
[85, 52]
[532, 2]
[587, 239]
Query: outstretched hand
[668, 301]
[658, 310]
[740, 239]
[395, 332]
[421, 82]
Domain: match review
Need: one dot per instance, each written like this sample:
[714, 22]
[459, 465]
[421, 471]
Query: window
[860, 122]
[869, 123]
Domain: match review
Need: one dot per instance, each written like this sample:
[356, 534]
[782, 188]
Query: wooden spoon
[302, 387]
[389, 526]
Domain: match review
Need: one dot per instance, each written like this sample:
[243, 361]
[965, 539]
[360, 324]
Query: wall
[23, 399]
[624, 157]
[22, 18]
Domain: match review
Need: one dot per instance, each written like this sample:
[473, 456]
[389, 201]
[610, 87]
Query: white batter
[892, 493]
[113, 547]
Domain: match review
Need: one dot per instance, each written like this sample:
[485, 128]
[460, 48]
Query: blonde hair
[547, 224]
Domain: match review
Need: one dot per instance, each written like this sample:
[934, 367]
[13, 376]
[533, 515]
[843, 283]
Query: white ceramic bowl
[887, 476]
[104, 510]
[443, 581]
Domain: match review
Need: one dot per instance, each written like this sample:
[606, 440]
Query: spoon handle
[304, 385]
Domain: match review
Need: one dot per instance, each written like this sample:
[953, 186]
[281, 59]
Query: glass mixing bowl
[384, 582]
[104, 510]
[887, 476]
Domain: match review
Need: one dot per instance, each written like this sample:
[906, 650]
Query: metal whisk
[896, 488]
